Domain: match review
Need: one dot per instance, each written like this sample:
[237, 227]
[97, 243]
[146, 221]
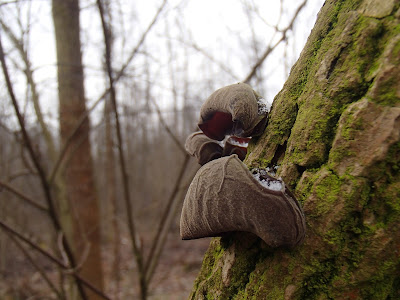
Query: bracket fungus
[233, 110]
[205, 149]
[202, 147]
[224, 196]
[236, 145]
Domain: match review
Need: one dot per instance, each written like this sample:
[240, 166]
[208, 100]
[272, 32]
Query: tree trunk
[78, 173]
[113, 236]
[334, 133]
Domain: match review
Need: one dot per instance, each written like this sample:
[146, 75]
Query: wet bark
[334, 132]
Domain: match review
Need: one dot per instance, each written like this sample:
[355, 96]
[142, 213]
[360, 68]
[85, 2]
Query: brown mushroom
[202, 147]
[224, 196]
[236, 145]
[233, 110]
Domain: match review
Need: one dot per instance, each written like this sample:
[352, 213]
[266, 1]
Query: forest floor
[173, 279]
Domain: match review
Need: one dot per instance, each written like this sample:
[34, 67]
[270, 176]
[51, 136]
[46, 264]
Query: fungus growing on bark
[225, 196]
[205, 149]
[236, 145]
[202, 147]
[233, 110]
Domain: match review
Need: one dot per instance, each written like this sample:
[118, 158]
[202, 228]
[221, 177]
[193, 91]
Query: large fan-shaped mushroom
[225, 197]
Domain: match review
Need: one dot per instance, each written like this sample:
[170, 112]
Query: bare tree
[83, 217]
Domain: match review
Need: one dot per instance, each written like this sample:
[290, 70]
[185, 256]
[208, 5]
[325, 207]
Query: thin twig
[166, 127]
[24, 197]
[152, 259]
[36, 266]
[269, 49]
[53, 259]
[34, 157]
[116, 78]
[19, 45]
[221, 65]
[138, 253]
[19, 174]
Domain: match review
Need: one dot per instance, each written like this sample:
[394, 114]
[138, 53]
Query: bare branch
[166, 127]
[36, 266]
[151, 261]
[53, 259]
[269, 49]
[42, 176]
[140, 42]
[18, 174]
[116, 78]
[222, 66]
[35, 96]
[138, 253]
[24, 197]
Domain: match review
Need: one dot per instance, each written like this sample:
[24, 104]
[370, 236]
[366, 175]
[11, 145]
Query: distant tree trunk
[113, 236]
[334, 133]
[78, 173]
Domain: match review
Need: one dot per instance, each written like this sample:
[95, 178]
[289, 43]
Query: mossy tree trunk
[334, 131]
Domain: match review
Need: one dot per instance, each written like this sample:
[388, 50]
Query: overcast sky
[219, 27]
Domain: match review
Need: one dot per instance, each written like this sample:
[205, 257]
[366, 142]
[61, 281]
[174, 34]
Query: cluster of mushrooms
[224, 195]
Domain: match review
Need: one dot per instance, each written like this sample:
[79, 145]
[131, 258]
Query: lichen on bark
[334, 130]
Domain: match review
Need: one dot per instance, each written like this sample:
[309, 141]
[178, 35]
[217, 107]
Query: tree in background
[334, 133]
[81, 220]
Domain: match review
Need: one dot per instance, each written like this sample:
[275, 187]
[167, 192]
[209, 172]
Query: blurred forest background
[93, 171]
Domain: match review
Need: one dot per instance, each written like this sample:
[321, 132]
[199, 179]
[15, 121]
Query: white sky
[218, 26]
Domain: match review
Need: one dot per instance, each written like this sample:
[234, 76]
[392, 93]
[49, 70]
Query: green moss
[281, 126]
[370, 41]
[261, 162]
[209, 266]
[389, 168]
[396, 50]
[387, 92]
[381, 286]
[328, 190]
[240, 271]
[386, 86]
[391, 196]
[316, 284]
[267, 279]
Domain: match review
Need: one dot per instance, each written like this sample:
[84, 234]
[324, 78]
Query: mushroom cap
[232, 110]
[202, 147]
[225, 197]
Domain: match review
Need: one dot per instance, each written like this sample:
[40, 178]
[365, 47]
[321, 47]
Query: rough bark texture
[78, 173]
[334, 131]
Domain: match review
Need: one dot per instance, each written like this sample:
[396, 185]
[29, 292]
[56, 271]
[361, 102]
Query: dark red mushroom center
[217, 126]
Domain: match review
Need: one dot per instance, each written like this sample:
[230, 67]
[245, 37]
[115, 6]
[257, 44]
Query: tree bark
[334, 133]
[78, 173]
